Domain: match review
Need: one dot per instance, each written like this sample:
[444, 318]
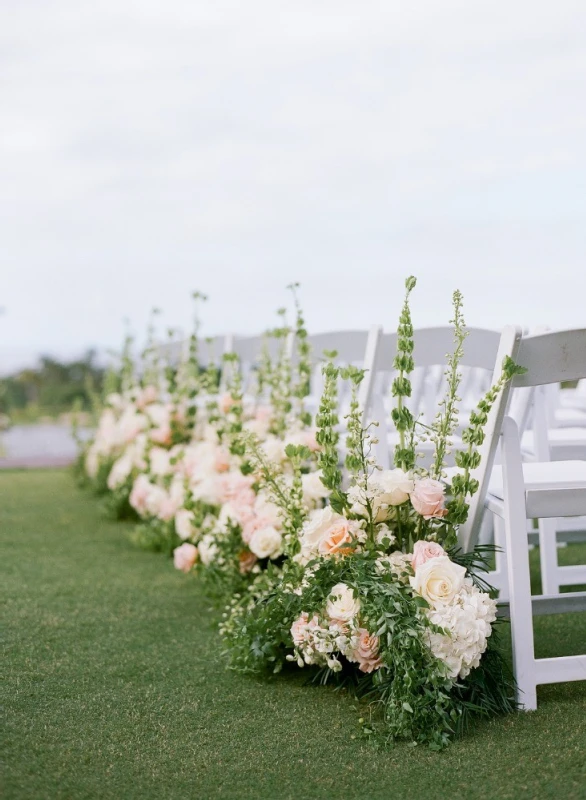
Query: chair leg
[517, 550]
[548, 556]
[498, 579]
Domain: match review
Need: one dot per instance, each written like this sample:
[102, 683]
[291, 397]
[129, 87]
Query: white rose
[313, 488]
[184, 523]
[266, 543]
[395, 485]
[438, 580]
[207, 550]
[342, 605]
[318, 522]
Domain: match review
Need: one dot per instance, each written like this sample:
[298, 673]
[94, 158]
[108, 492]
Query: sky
[149, 149]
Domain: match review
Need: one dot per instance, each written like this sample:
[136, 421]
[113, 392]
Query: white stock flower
[274, 449]
[342, 605]
[120, 471]
[398, 563]
[438, 580]
[207, 550]
[266, 543]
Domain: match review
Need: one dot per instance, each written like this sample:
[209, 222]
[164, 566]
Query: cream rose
[313, 488]
[318, 522]
[395, 486]
[185, 556]
[438, 580]
[342, 605]
[184, 523]
[266, 543]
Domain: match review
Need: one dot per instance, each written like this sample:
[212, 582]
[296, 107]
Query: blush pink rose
[185, 556]
[427, 498]
[423, 551]
[168, 508]
[263, 413]
[366, 653]
[298, 629]
[255, 523]
[140, 493]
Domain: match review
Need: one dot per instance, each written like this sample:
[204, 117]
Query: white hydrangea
[467, 622]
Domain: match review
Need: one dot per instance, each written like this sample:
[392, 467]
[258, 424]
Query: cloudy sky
[148, 149]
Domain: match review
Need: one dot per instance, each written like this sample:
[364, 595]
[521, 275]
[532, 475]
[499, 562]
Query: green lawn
[114, 687]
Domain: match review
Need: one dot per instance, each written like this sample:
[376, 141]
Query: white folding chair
[357, 348]
[534, 490]
[431, 348]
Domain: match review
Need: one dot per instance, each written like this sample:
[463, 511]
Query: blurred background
[150, 149]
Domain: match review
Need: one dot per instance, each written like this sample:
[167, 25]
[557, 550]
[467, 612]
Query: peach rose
[149, 394]
[366, 653]
[423, 551]
[298, 629]
[246, 561]
[427, 498]
[334, 540]
[225, 403]
[222, 460]
[185, 556]
[162, 435]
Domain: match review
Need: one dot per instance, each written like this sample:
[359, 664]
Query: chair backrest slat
[552, 357]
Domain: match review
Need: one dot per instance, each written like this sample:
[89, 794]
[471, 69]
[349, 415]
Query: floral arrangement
[373, 590]
[328, 562]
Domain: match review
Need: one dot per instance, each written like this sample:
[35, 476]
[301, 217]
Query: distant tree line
[53, 387]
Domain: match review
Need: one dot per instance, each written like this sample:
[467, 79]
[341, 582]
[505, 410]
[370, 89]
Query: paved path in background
[37, 446]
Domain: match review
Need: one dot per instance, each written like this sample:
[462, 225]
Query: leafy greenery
[51, 388]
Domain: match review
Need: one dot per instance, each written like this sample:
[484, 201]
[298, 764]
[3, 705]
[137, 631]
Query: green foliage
[404, 364]
[53, 387]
